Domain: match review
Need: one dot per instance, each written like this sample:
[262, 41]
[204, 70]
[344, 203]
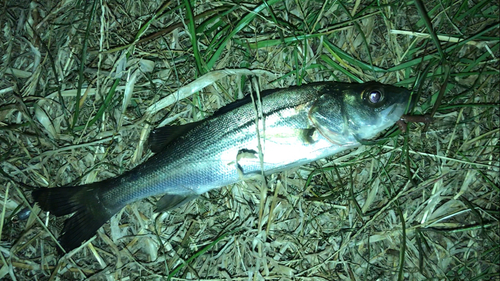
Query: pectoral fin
[308, 135]
[172, 201]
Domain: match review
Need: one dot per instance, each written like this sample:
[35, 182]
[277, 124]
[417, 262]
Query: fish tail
[89, 212]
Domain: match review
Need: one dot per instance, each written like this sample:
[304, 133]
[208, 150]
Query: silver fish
[288, 128]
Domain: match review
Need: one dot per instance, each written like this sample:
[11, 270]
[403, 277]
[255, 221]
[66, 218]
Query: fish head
[348, 113]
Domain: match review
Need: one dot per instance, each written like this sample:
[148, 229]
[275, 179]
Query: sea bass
[285, 128]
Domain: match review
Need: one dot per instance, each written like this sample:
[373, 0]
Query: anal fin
[172, 201]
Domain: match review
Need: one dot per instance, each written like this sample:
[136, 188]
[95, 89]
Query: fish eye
[375, 96]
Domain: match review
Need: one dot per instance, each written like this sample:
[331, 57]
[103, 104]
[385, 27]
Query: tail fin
[89, 212]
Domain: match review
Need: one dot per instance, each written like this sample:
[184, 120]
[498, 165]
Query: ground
[83, 83]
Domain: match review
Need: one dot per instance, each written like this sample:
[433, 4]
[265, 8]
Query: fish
[277, 130]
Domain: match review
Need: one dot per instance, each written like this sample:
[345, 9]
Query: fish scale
[297, 125]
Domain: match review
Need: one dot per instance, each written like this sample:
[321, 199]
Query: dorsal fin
[161, 137]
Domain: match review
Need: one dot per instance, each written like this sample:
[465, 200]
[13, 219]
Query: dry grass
[82, 85]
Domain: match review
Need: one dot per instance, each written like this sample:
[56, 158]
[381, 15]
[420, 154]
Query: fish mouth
[393, 113]
[389, 110]
[404, 105]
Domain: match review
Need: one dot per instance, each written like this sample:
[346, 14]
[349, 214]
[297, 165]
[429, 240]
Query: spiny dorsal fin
[161, 137]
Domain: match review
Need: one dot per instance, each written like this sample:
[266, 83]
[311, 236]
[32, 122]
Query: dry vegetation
[83, 82]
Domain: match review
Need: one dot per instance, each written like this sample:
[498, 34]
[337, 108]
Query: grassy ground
[83, 82]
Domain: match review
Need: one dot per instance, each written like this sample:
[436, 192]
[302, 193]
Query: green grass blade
[194, 38]
[336, 66]
[83, 57]
[238, 27]
[428, 23]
